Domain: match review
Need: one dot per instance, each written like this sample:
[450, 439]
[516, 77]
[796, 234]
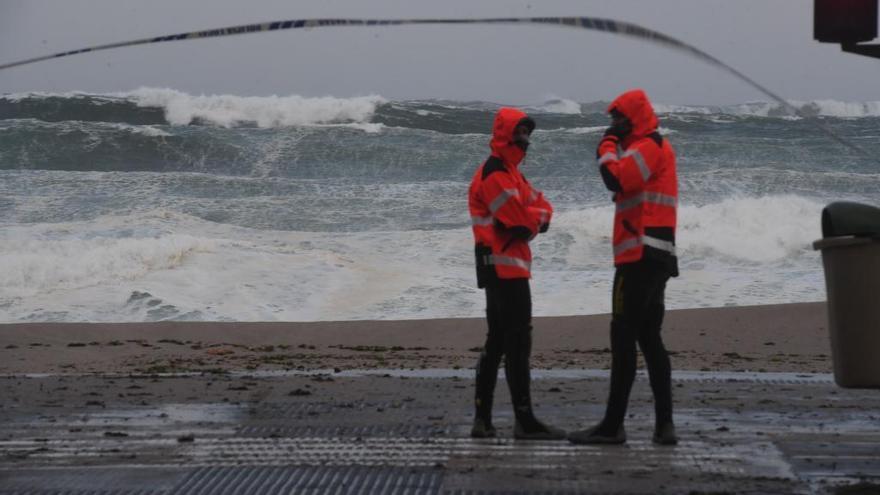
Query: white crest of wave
[264, 111]
[666, 108]
[559, 105]
[750, 229]
[759, 229]
[826, 108]
[64, 261]
[833, 108]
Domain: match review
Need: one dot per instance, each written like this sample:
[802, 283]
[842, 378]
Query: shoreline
[768, 338]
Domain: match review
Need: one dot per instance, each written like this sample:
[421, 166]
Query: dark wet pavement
[406, 432]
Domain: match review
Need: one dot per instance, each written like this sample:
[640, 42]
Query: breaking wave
[162, 106]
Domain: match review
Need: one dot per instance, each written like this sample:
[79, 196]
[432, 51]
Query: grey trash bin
[851, 258]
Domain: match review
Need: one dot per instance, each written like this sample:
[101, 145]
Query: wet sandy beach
[790, 337]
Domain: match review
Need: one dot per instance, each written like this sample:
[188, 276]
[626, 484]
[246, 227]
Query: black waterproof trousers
[637, 316]
[509, 315]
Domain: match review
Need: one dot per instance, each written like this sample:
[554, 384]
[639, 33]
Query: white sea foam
[54, 258]
[746, 229]
[144, 130]
[16, 97]
[574, 130]
[666, 108]
[833, 108]
[596, 129]
[164, 265]
[757, 230]
[368, 127]
[138, 267]
[722, 120]
[740, 251]
[264, 111]
[91, 128]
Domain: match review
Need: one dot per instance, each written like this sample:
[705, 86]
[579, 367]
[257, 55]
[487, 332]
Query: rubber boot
[596, 436]
[516, 368]
[623, 373]
[536, 430]
[487, 376]
[664, 434]
[482, 429]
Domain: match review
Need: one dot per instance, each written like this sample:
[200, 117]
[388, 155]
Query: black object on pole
[866, 50]
[847, 22]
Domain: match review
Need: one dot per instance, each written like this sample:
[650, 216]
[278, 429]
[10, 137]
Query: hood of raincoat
[502, 144]
[634, 104]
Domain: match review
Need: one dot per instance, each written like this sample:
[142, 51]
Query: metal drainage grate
[263, 431]
[310, 479]
[286, 409]
[275, 410]
[84, 480]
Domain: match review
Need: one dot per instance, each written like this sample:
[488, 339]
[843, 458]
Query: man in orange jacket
[506, 213]
[645, 188]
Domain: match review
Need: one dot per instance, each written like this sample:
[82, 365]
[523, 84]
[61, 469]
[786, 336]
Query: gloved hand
[607, 137]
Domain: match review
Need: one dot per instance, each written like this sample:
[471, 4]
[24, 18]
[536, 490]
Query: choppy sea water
[156, 205]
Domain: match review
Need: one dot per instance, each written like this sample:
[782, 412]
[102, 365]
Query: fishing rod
[611, 26]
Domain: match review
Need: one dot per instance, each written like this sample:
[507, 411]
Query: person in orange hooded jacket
[506, 213]
[644, 183]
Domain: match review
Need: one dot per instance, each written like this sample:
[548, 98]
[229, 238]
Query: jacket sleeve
[630, 170]
[507, 207]
[541, 210]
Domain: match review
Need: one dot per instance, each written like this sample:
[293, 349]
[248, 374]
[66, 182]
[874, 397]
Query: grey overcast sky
[769, 40]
